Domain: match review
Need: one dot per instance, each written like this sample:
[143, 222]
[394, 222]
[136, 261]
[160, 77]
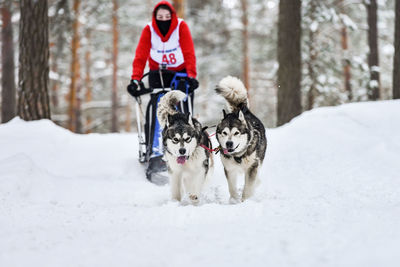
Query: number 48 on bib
[170, 59]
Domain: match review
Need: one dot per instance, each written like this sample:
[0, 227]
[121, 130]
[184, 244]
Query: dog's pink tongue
[181, 160]
[225, 151]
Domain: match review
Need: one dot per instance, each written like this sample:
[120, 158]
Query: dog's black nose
[182, 151]
[229, 144]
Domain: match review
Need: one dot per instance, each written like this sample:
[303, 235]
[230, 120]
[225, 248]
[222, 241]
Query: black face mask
[163, 26]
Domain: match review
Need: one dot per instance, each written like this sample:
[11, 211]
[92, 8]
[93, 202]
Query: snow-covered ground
[330, 196]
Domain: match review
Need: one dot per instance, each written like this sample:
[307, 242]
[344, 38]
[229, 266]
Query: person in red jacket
[166, 43]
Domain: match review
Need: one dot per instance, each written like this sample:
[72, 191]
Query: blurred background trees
[396, 60]
[8, 95]
[346, 49]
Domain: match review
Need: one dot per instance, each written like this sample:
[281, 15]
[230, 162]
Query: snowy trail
[330, 197]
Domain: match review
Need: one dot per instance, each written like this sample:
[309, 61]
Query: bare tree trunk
[396, 60]
[8, 95]
[33, 100]
[88, 80]
[312, 59]
[289, 58]
[346, 60]
[75, 69]
[373, 57]
[78, 111]
[180, 8]
[114, 119]
[245, 37]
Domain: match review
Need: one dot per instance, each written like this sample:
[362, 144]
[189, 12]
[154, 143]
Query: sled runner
[150, 131]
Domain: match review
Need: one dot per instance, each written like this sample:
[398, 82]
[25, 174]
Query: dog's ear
[190, 119]
[196, 124]
[241, 116]
[224, 112]
[243, 107]
[168, 122]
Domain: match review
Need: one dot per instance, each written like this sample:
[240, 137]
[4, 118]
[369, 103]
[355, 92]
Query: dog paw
[194, 199]
[234, 200]
[246, 197]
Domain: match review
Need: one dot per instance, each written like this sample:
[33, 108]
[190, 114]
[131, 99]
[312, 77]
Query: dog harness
[211, 150]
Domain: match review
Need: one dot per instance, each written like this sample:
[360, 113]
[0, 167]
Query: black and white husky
[241, 136]
[185, 149]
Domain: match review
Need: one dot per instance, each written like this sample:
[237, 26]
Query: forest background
[346, 50]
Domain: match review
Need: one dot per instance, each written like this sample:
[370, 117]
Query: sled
[150, 132]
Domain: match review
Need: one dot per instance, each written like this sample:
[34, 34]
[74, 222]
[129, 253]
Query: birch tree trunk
[33, 97]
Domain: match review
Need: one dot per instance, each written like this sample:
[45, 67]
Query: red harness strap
[210, 149]
[206, 147]
[211, 135]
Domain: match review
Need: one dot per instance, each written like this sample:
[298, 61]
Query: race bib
[169, 52]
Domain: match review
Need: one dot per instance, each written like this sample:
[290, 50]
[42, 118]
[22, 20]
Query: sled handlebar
[162, 71]
[149, 90]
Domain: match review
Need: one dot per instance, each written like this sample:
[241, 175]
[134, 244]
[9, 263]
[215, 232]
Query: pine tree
[373, 59]
[33, 98]
[74, 103]
[114, 112]
[179, 6]
[8, 95]
[88, 79]
[346, 59]
[289, 58]
[245, 39]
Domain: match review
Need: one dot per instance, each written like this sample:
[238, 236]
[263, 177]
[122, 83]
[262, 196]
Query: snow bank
[330, 197]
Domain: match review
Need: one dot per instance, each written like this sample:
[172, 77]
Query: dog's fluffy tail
[234, 91]
[167, 105]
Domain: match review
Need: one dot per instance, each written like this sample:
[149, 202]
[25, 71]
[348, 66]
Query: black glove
[133, 88]
[193, 84]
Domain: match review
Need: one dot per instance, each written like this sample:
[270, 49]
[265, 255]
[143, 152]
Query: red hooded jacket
[144, 46]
